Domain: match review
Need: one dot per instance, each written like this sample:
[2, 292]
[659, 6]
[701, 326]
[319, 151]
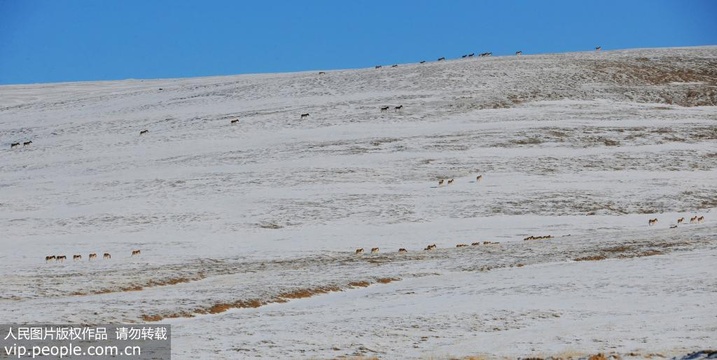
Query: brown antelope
[652, 221]
[479, 177]
[394, 65]
[14, 145]
[61, 258]
[471, 54]
[48, 258]
[374, 250]
[93, 256]
[399, 107]
[518, 53]
[384, 108]
[491, 243]
[143, 132]
[440, 182]
[304, 115]
[475, 243]
[701, 219]
[598, 48]
[693, 220]
[430, 247]
[486, 54]
[136, 252]
[422, 62]
[378, 66]
[402, 250]
[450, 181]
[234, 121]
[461, 245]
[76, 257]
[359, 251]
[680, 220]
[26, 143]
[441, 58]
[107, 256]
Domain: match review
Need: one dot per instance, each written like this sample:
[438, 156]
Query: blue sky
[84, 40]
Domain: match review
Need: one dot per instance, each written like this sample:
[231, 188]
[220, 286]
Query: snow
[585, 147]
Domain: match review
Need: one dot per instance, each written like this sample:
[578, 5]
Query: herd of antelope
[430, 247]
[693, 220]
[78, 257]
[441, 182]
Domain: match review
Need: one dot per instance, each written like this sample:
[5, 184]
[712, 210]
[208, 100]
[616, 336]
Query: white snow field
[247, 231]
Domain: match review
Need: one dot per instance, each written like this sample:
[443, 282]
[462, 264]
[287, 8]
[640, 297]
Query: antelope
[673, 226]
[26, 143]
[430, 247]
[461, 245]
[471, 54]
[76, 257]
[234, 121]
[394, 65]
[693, 220]
[440, 182]
[136, 252]
[384, 108]
[450, 181]
[14, 145]
[479, 177]
[107, 256]
[60, 258]
[304, 115]
[680, 220]
[518, 53]
[143, 132]
[48, 258]
[464, 56]
[378, 66]
[475, 243]
[422, 62]
[399, 107]
[359, 251]
[402, 250]
[374, 250]
[598, 48]
[321, 73]
[652, 221]
[441, 58]
[93, 256]
[701, 219]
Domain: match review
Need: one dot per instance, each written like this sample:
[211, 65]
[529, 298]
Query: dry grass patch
[591, 258]
[386, 280]
[359, 284]
[305, 293]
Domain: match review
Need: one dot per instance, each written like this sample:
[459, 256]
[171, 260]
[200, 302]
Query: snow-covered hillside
[249, 227]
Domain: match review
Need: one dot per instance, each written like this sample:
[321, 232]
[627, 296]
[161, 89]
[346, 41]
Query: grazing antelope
[422, 62]
[440, 182]
[475, 243]
[93, 256]
[479, 177]
[14, 145]
[693, 220]
[680, 220]
[107, 256]
[441, 58]
[471, 54]
[673, 226]
[461, 245]
[374, 250]
[464, 56]
[652, 221]
[136, 252]
[143, 132]
[384, 108]
[234, 121]
[399, 107]
[359, 251]
[394, 65]
[321, 73]
[378, 66]
[304, 115]
[76, 257]
[430, 247]
[598, 48]
[450, 181]
[486, 54]
[402, 250]
[61, 258]
[701, 219]
[26, 143]
[518, 53]
[48, 258]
